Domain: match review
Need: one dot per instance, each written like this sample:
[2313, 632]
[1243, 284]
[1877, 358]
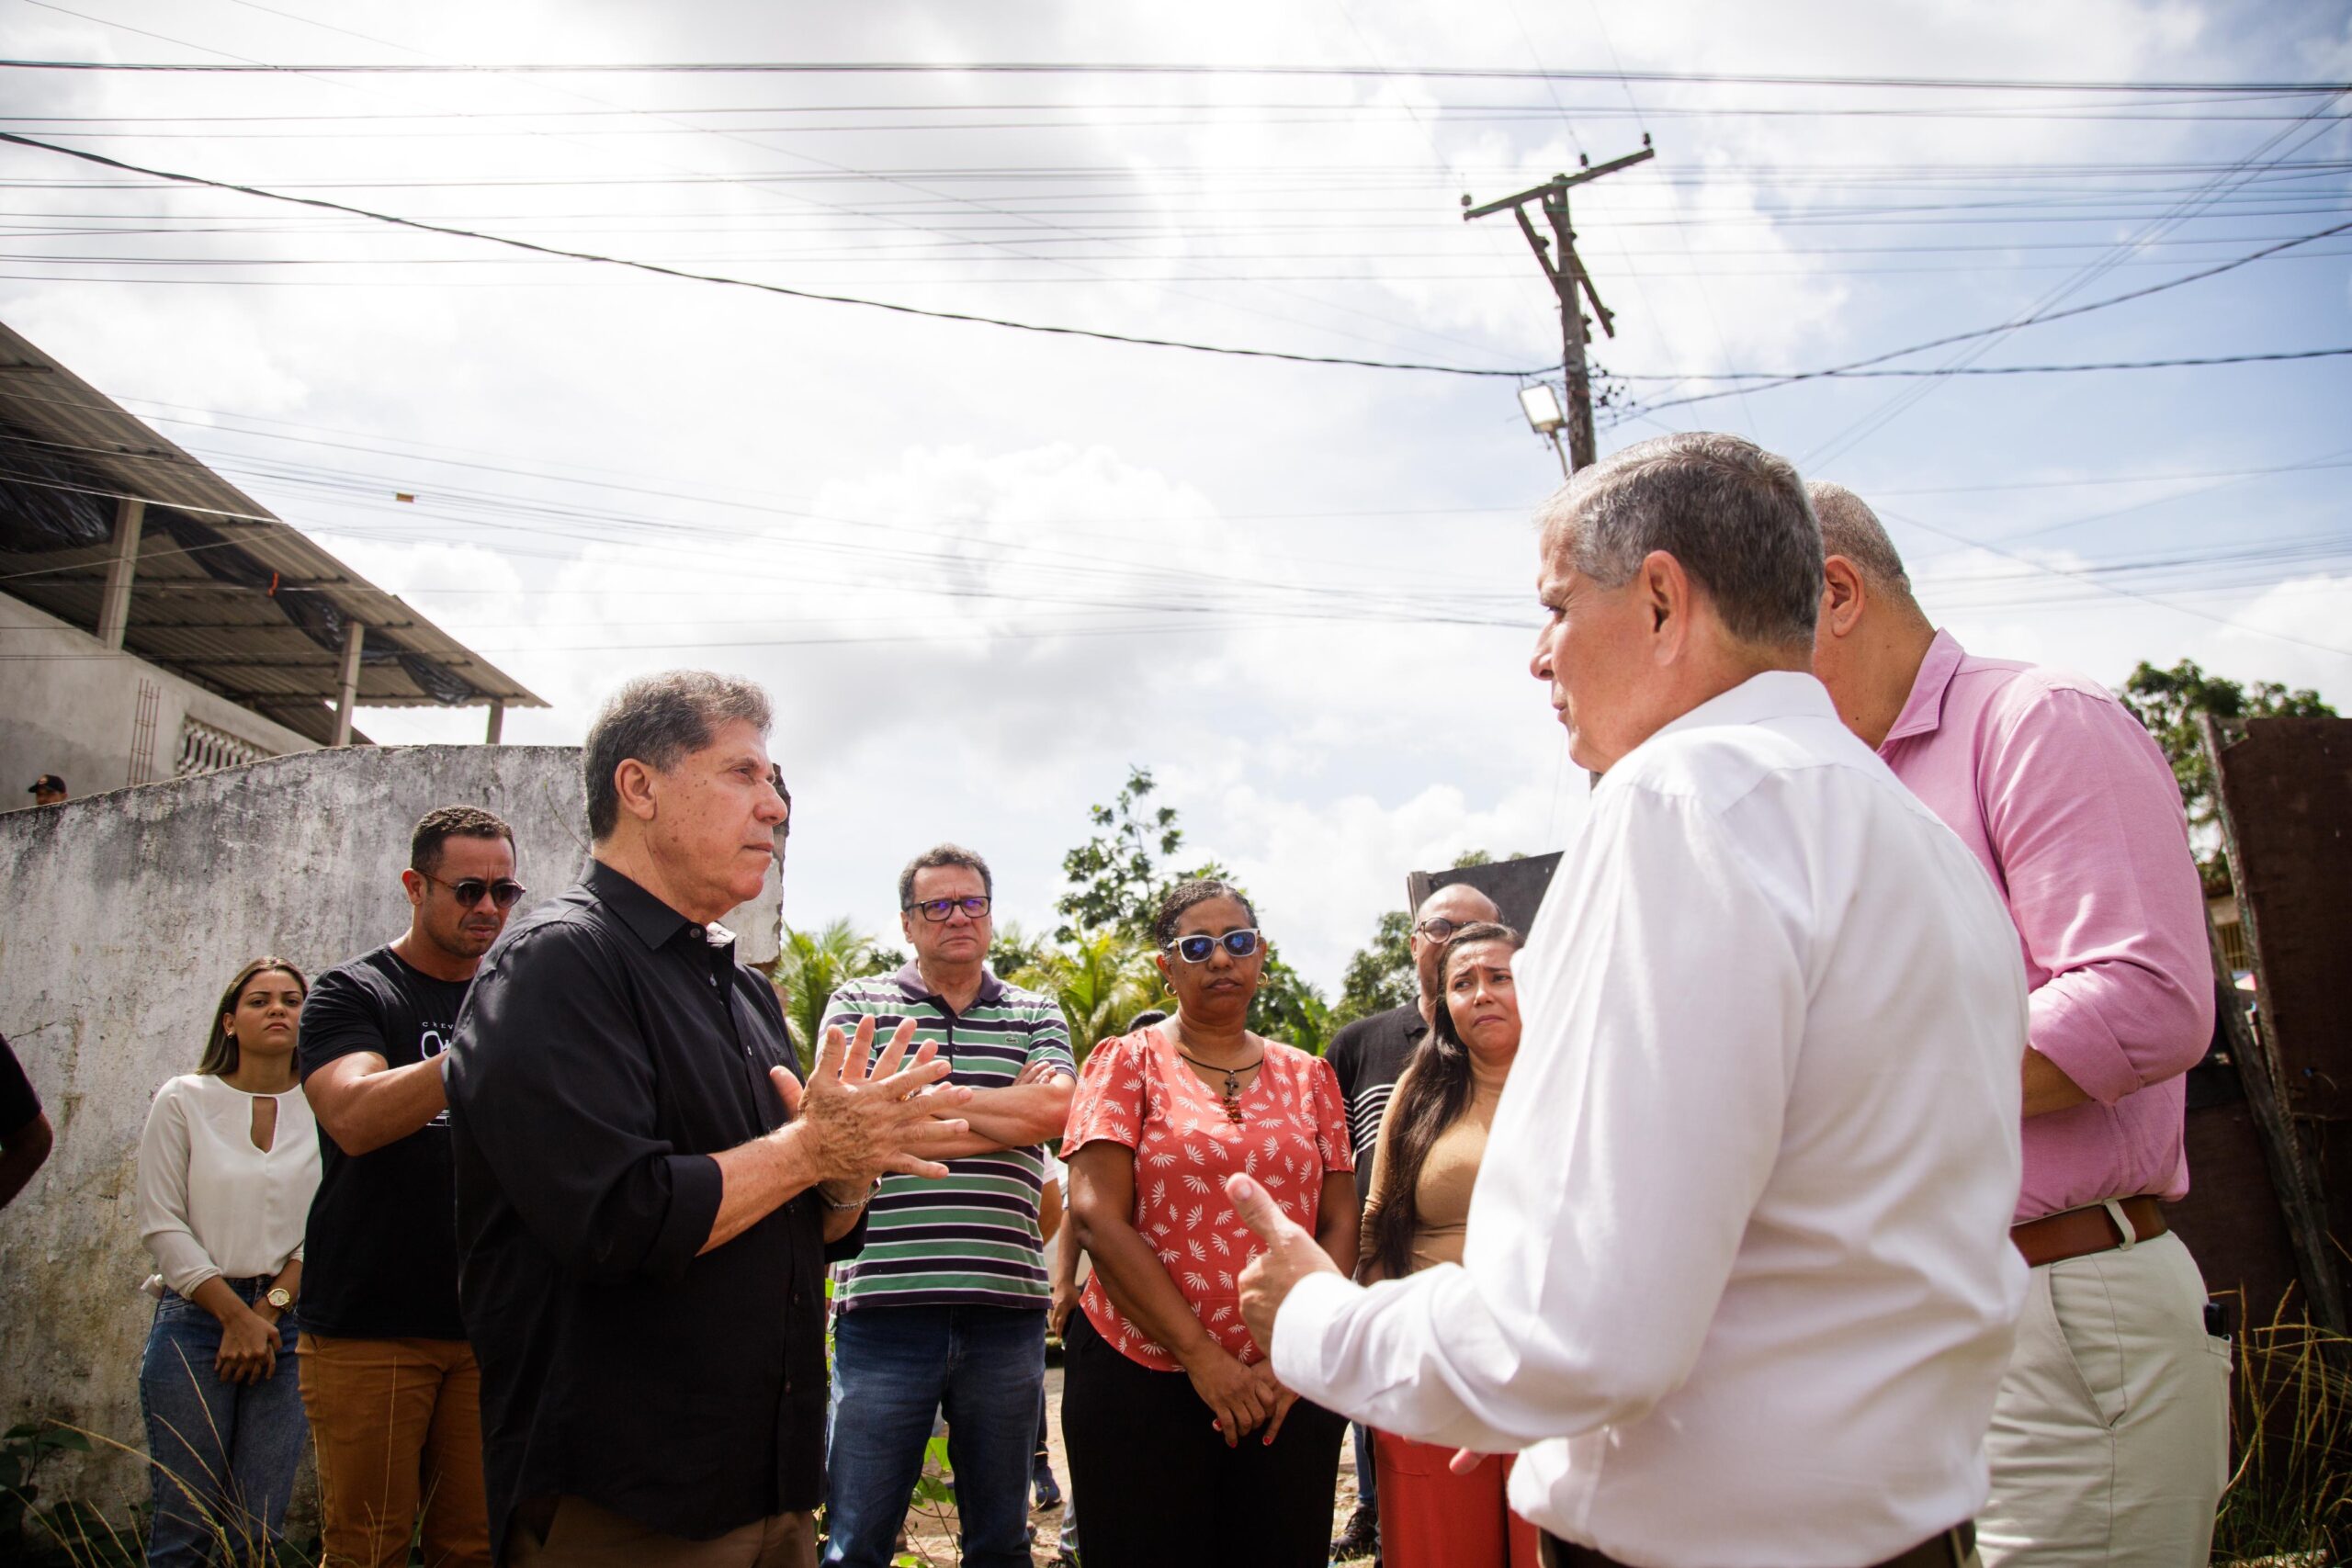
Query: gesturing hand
[862, 1116]
[1291, 1254]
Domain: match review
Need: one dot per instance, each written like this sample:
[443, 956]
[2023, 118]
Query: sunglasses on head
[1196, 949]
[504, 893]
[937, 910]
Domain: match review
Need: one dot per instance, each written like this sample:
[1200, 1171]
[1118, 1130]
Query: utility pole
[1569, 277]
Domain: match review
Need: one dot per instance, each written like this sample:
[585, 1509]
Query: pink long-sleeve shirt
[2072, 808]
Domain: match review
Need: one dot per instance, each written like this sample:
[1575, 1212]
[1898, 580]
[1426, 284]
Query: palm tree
[1102, 979]
[809, 969]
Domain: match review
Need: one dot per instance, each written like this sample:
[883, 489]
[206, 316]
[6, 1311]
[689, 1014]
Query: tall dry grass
[2289, 1502]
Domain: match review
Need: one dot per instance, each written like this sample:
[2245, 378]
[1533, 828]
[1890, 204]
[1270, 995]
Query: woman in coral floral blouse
[1182, 1447]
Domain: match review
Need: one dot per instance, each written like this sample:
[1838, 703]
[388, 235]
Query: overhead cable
[687, 276]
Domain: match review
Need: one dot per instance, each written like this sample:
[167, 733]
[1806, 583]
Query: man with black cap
[47, 790]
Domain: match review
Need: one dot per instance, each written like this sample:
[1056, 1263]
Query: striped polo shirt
[970, 1238]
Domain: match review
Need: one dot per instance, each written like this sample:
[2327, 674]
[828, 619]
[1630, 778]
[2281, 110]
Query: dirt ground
[931, 1533]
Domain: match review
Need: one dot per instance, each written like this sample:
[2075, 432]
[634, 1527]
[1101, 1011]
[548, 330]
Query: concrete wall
[128, 912]
[70, 706]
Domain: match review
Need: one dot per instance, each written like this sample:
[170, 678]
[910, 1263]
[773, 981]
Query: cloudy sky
[985, 571]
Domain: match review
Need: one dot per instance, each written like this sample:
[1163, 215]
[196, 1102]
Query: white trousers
[2110, 1436]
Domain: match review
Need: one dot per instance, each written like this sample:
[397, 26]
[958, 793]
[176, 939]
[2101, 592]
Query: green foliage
[2169, 701]
[1288, 1009]
[1117, 878]
[1101, 979]
[813, 965]
[1380, 977]
[1016, 951]
[1114, 878]
[23, 1449]
[74, 1534]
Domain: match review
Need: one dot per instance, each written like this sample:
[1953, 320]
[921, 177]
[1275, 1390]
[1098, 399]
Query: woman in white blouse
[226, 1170]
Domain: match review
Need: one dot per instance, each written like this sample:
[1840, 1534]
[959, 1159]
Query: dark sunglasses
[505, 893]
[1196, 949]
[937, 910]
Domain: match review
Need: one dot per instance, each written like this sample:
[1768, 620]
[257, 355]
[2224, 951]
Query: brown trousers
[398, 1424]
[581, 1534]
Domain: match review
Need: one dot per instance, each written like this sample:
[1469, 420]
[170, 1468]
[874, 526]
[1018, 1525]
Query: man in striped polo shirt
[943, 1311]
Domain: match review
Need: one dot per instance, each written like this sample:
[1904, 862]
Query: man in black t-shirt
[391, 1385]
[1368, 1057]
[24, 1130]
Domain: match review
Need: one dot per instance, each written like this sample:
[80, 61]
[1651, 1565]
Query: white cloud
[826, 498]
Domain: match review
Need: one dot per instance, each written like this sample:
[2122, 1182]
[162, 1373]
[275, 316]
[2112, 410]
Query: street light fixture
[1542, 406]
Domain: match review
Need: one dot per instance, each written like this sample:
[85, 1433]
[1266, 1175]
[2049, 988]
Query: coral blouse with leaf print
[1137, 1090]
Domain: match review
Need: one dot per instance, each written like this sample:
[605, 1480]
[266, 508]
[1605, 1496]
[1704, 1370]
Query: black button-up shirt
[609, 1048]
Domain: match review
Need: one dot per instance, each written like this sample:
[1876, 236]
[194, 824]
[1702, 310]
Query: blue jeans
[897, 1369]
[224, 1454]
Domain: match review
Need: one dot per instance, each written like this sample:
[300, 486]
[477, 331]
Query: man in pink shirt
[2109, 1438]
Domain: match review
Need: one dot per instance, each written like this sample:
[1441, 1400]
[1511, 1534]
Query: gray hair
[659, 720]
[942, 855]
[1849, 528]
[1734, 514]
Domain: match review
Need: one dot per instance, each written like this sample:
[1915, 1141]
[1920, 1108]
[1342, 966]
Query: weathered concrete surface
[128, 912]
[73, 710]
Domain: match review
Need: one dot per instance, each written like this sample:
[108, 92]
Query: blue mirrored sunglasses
[1196, 949]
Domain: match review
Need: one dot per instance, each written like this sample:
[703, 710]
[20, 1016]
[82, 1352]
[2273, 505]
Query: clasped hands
[864, 1115]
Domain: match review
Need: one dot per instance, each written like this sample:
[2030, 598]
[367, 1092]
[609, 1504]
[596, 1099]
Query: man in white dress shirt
[1738, 1286]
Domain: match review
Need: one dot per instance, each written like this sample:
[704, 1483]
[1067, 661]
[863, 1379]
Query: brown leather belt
[1954, 1548]
[2079, 1233]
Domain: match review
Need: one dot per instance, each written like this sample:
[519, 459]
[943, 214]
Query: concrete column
[497, 722]
[355, 634]
[122, 565]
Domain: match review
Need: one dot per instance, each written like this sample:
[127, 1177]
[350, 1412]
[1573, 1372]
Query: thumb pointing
[1257, 1210]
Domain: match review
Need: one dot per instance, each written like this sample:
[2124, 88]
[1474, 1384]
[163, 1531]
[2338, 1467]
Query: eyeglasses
[1196, 949]
[937, 910]
[504, 893]
[1437, 928]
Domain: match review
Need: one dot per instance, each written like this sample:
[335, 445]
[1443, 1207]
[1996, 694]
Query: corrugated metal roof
[226, 594]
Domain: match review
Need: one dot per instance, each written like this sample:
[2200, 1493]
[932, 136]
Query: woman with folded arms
[226, 1170]
[1432, 1141]
[1184, 1447]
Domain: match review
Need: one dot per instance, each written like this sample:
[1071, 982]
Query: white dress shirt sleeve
[1665, 993]
[164, 1194]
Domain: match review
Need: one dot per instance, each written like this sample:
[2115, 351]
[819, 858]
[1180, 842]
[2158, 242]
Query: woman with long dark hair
[1183, 1446]
[226, 1170]
[1432, 1141]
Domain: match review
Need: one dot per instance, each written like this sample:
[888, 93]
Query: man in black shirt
[1368, 1057]
[24, 1130]
[391, 1385]
[647, 1197]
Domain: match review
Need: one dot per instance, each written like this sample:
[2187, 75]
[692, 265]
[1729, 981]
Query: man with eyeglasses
[389, 1380]
[1369, 1057]
[943, 1312]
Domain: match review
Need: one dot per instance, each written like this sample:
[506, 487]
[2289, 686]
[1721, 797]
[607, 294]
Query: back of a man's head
[660, 720]
[1849, 528]
[1734, 516]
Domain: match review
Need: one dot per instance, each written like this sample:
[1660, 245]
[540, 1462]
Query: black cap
[46, 782]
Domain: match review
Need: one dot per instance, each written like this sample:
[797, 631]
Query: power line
[2036, 319]
[692, 276]
[1132, 68]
